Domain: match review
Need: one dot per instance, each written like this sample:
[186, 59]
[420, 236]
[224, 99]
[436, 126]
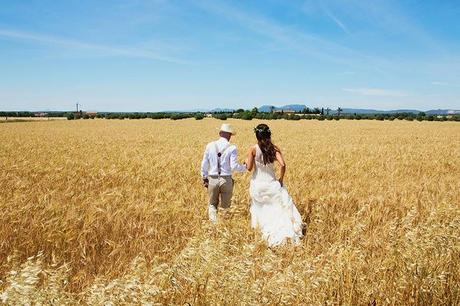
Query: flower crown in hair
[261, 130]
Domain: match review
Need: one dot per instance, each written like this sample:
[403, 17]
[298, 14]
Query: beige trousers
[220, 189]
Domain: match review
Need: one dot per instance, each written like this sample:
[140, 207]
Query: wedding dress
[272, 210]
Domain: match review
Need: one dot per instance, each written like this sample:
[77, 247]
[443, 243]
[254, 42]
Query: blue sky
[152, 55]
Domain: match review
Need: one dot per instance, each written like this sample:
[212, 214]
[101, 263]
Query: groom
[219, 161]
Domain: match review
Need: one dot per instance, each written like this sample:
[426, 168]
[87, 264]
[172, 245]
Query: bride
[272, 209]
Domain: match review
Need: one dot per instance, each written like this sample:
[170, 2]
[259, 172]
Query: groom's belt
[219, 175]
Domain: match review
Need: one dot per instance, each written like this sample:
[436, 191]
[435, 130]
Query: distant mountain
[414, 111]
[443, 112]
[220, 110]
[376, 111]
[294, 107]
[300, 107]
[265, 108]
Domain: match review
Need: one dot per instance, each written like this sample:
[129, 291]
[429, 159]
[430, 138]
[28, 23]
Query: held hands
[205, 182]
[281, 182]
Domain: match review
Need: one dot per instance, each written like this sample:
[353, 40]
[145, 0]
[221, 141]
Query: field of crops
[99, 211]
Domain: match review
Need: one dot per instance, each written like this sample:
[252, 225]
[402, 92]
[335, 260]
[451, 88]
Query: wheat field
[112, 212]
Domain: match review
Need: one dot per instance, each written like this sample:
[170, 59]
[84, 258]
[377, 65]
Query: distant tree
[70, 116]
[264, 116]
[292, 117]
[220, 116]
[339, 111]
[255, 110]
[76, 115]
[85, 116]
[247, 115]
[199, 116]
[272, 109]
[327, 111]
[240, 110]
[275, 116]
[178, 116]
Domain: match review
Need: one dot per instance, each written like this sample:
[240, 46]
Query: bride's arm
[280, 159]
[250, 158]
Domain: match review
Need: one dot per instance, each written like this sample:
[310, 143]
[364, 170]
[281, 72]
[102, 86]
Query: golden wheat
[112, 212]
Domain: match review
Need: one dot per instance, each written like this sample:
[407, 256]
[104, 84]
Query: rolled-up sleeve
[205, 164]
[234, 165]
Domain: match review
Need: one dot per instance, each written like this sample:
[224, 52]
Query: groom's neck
[225, 135]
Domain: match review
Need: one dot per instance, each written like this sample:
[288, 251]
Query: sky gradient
[153, 55]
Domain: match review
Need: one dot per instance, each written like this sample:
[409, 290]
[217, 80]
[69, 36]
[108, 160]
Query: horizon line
[219, 109]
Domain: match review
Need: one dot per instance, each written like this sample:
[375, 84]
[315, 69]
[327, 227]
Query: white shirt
[228, 159]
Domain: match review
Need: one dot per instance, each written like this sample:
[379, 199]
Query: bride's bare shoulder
[253, 148]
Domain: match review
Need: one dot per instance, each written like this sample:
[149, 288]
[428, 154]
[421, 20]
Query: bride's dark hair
[263, 135]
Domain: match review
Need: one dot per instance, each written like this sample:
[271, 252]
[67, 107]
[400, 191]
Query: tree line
[306, 114]
[249, 115]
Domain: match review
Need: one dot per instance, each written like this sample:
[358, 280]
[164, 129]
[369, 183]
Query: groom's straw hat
[225, 127]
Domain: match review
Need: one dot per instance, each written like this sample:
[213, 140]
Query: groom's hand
[205, 182]
[281, 182]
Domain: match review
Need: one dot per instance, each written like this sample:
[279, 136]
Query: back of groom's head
[225, 135]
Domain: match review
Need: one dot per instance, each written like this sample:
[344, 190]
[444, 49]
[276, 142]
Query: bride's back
[262, 170]
[259, 158]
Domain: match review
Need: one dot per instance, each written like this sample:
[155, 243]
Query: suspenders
[219, 155]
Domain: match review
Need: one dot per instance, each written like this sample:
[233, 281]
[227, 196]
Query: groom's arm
[205, 164]
[234, 165]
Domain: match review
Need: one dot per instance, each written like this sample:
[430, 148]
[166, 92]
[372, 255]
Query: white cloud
[376, 92]
[392, 17]
[80, 45]
[288, 36]
[334, 18]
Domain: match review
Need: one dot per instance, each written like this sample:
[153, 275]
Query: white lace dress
[272, 210]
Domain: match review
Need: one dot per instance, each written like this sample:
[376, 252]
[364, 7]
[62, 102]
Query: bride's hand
[281, 182]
